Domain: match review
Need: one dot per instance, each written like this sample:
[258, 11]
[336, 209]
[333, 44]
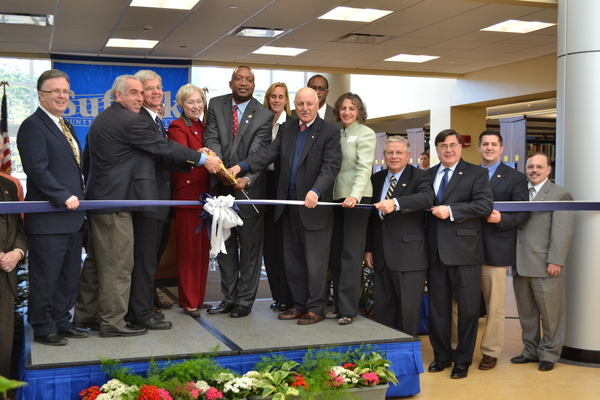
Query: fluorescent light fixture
[515, 26]
[258, 32]
[355, 14]
[27, 19]
[279, 51]
[410, 58]
[132, 43]
[172, 4]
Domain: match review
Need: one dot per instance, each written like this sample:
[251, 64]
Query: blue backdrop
[92, 83]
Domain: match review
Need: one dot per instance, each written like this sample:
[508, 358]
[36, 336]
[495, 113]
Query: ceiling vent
[362, 38]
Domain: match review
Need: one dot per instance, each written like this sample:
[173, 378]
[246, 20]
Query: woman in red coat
[192, 247]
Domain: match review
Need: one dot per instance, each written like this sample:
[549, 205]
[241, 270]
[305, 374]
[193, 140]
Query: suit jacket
[188, 186]
[121, 148]
[500, 240]
[12, 234]
[52, 173]
[254, 132]
[399, 240]
[358, 152]
[319, 165]
[469, 195]
[546, 237]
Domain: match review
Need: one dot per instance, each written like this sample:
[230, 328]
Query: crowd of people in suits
[428, 225]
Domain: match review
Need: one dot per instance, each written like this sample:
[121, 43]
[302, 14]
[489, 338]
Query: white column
[578, 141]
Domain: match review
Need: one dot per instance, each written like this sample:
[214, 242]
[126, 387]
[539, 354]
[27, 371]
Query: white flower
[202, 385]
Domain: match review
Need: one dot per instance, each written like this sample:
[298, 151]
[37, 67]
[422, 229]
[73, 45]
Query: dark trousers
[463, 282]
[147, 233]
[347, 255]
[54, 269]
[306, 260]
[398, 296]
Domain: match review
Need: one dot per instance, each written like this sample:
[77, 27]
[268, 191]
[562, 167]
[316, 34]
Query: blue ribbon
[13, 207]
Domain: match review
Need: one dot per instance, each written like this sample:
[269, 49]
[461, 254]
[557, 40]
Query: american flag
[6, 164]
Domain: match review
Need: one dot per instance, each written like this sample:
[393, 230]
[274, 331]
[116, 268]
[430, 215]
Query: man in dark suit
[148, 225]
[50, 153]
[236, 127]
[396, 240]
[463, 198]
[122, 148]
[320, 84]
[310, 156]
[543, 244]
[13, 245]
[499, 232]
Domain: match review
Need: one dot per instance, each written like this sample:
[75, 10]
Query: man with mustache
[542, 247]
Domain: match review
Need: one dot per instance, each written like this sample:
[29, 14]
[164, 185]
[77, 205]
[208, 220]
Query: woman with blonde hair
[192, 247]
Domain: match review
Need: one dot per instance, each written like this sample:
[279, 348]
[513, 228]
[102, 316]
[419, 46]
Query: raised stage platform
[62, 372]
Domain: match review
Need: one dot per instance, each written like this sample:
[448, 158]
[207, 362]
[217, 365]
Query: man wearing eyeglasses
[319, 84]
[51, 157]
[463, 198]
[237, 126]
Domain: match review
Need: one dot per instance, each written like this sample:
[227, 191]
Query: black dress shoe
[283, 307]
[154, 324]
[274, 305]
[158, 314]
[51, 339]
[127, 330]
[240, 311]
[223, 308]
[546, 366]
[74, 333]
[95, 325]
[460, 371]
[521, 359]
[439, 366]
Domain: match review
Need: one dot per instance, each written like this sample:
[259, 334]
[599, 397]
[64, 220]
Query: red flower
[299, 381]
[90, 393]
[149, 392]
[349, 366]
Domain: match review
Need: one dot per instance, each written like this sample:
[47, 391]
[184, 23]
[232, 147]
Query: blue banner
[92, 83]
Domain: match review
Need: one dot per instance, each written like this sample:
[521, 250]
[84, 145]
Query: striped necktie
[67, 132]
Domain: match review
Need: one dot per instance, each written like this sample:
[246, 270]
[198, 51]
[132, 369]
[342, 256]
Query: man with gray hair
[121, 149]
[396, 247]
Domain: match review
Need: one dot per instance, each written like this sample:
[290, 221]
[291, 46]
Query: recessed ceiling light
[355, 14]
[279, 51]
[515, 26]
[410, 58]
[132, 43]
[257, 32]
[173, 4]
[27, 19]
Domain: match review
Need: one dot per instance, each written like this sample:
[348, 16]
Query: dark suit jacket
[399, 240]
[12, 234]
[122, 146]
[254, 132]
[469, 195]
[500, 240]
[52, 174]
[320, 163]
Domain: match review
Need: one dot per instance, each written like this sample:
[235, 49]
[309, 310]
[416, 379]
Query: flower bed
[322, 373]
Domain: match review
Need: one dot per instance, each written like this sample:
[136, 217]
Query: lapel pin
[312, 137]
[6, 191]
[404, 184]
[460, 173]
[499, 176]
[250, 116]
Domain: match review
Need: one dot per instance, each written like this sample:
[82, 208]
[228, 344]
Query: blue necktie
[443, 184]
[160, 126]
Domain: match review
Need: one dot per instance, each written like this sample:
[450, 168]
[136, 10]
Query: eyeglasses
[152, 88]
[319, 88]
[58, 92]
[394, 153]
[453, 146]
[240, 79]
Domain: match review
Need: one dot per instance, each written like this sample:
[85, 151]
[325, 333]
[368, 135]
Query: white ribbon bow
[224, 218]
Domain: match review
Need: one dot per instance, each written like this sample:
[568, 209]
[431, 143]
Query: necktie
[302, 127]
[69, 136]
[390, 191]
[160, 125]
[235, 120]
[443, 184]
[531, 193]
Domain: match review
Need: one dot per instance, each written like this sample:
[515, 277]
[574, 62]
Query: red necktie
[235, 121]
[302, 127]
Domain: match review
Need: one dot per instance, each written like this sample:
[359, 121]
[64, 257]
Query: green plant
[9, 384]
